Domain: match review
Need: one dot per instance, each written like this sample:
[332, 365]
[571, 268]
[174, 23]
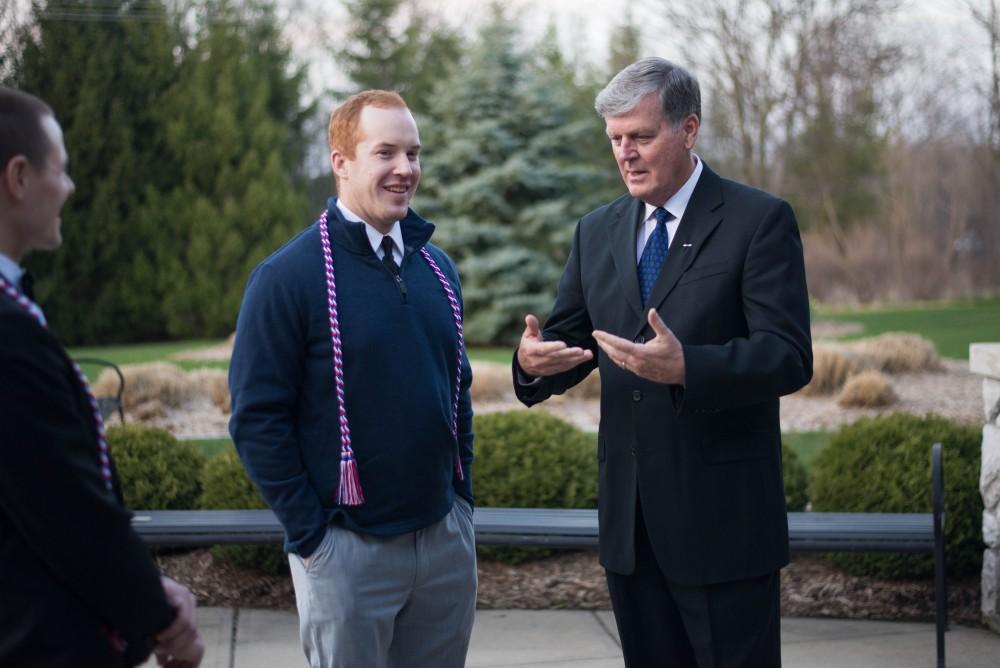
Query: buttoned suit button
[636, 395]
[633, 451]
[640, 339]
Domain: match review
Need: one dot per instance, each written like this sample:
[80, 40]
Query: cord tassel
[349, 486]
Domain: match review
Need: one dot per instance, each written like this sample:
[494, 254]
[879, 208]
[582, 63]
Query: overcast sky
[952, 51]
[939, 30]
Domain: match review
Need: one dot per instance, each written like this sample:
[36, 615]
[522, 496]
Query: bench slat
[809, 532]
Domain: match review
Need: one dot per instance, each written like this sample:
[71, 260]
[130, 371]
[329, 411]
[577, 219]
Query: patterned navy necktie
[654, 254]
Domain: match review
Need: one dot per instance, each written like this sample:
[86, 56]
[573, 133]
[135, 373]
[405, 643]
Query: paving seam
[573, 660]
[234, 629]
[600, 622]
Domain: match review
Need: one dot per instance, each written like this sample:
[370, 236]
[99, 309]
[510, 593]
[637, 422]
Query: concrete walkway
[251, 638]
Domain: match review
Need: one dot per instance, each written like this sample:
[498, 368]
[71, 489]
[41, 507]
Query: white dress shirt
[375, 237]
[677, 205]
[11, 271]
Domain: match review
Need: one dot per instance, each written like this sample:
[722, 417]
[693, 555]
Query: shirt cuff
[525, 380]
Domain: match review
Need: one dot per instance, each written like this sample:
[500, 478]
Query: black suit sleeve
[52, 493]
[775, 358]
[569, 322]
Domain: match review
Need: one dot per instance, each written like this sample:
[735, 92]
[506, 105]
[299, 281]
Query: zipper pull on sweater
[402, 287]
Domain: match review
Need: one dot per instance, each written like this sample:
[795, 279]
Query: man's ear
[15, 177]
[339, 164]
[691, 127]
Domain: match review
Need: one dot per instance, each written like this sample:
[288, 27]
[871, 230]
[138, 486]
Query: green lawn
[135, 353]
[210, 447]
[496, 354]
[952, 327]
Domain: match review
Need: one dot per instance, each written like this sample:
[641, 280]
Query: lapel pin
[685, 245]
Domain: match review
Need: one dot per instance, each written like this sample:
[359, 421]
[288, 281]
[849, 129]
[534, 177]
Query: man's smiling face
[379, 181]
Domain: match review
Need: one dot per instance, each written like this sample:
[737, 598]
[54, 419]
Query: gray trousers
[389, 602]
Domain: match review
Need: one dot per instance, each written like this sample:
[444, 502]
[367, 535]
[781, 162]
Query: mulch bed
[810, 587]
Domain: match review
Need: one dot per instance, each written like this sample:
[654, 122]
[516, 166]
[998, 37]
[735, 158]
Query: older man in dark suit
[77, 586]
[689, 294]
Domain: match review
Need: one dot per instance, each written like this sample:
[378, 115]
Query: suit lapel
[621, 238]
[702, 216]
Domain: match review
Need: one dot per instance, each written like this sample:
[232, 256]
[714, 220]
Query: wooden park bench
[565, 528]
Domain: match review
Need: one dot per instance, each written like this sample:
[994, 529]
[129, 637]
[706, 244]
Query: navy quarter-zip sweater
[400, 357]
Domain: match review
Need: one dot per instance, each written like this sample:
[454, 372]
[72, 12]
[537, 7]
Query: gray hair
[676, 87]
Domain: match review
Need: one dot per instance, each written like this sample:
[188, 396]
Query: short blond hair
[345, 121]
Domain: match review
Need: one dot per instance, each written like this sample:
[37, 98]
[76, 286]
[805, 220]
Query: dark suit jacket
[70, 564]
[705, 458]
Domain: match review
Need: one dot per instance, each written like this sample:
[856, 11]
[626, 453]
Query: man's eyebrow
[388, 144]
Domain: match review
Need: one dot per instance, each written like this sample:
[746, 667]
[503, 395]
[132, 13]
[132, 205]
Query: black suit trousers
[664, 624]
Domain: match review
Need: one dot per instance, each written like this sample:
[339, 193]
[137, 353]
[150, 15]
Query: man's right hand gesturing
[537, 357]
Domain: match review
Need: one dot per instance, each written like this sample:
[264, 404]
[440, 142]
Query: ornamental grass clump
[157, 471]
[588, 388]
[831, 367]
[867, 389]
[883, 465]
[153, 382]
[897, 352]
[214, 383]
[153, 389]
[835, 363]
[491, 382]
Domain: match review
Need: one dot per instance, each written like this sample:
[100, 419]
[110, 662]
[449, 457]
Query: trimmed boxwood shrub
[227, 487]
[796, 480]
[157, 471]
[883, 464]
[531, 459]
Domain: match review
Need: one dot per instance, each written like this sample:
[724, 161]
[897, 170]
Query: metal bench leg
[941, 601]
[940, 585]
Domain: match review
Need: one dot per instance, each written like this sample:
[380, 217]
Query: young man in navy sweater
[352, 412]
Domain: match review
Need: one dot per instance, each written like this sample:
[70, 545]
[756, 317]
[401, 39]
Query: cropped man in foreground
[77, 585]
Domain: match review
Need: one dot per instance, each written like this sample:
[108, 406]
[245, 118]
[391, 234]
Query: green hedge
[530, 459]
[226, 486]
[884, 465]
[796, 480]
[157, 471]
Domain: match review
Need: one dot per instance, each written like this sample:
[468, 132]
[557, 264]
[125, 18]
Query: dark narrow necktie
[387, 259]
[28, 285]
[654, 253]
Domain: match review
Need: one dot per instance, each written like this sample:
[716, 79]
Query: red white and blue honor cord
[349, 487]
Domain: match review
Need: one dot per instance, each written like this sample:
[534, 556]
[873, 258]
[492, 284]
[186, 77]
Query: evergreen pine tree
[104, 79]
[626, 44]
[234, 124]
[505, 178]
[408, 59]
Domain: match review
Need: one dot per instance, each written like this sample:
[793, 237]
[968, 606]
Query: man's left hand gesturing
[660, 359]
